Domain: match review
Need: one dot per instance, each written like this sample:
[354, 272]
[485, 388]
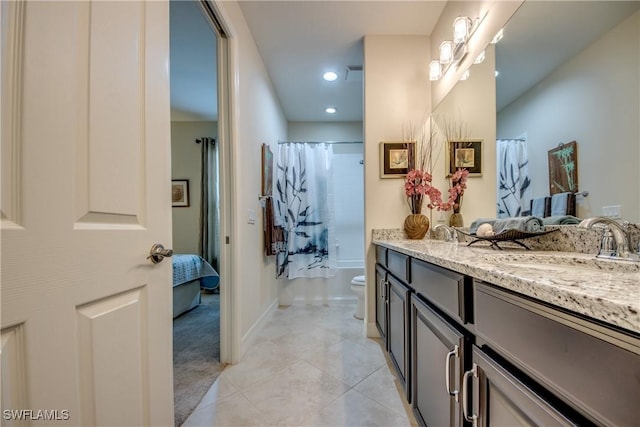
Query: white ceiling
[300, 40]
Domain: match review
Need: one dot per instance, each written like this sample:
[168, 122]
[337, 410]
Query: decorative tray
[511, 235]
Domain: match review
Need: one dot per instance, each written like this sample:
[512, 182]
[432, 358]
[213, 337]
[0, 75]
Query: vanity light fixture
[330, 110]
[446, 52]
[461, 29]
[435, 70]
[480, 58]
[329, 76]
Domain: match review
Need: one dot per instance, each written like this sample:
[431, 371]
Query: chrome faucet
[450, 233]
[619, 234]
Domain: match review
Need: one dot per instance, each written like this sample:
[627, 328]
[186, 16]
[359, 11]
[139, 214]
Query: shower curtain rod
[511, 139]
[319, 142]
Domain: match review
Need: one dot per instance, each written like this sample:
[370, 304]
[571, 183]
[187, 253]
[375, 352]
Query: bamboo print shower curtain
[514, 185]
[303, 205]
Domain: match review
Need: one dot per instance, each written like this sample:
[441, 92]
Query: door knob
[158, 253]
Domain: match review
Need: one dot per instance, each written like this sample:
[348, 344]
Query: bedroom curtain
[303, 207]
[208, 243]
[514, 184]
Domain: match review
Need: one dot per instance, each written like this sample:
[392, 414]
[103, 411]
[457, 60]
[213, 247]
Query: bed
[190, 274]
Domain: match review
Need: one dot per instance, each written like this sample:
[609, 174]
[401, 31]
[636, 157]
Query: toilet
[357, 286]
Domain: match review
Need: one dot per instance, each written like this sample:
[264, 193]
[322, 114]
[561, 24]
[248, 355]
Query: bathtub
[326, 291]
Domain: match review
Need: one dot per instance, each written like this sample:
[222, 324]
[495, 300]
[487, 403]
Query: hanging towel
[559, 203]
[561, 220]
[273, 235]
[522, 223]
[538, 206]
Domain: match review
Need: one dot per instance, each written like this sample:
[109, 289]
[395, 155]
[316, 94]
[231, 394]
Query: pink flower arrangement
[418, 184]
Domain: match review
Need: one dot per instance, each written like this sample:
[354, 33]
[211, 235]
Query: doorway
[196, 136]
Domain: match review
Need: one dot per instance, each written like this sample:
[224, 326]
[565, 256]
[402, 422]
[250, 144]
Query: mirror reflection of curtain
[514, 184]
[208, 242]
[303, 207]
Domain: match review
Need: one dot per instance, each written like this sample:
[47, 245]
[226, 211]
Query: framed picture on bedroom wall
[180, 193]
[465, 154]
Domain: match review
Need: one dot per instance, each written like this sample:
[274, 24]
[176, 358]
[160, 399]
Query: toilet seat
[358, 281]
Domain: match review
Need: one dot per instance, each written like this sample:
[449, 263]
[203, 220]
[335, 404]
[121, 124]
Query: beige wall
[472, 103]
[185, 164]
[256, 118]
[325, 131]
[396, 93]
[592, 99]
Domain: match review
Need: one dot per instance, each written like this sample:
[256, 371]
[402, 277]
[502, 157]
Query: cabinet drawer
[599, 376]
[443, 288]
[398, 265]
[381, 256]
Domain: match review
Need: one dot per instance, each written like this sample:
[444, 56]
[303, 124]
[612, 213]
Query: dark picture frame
[180, 193]
[563, 168]
[395, 158]
[465, 154]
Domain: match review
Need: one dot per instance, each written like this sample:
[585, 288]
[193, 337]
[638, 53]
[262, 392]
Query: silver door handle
[447, 372]
[473, 372]
[158, 253]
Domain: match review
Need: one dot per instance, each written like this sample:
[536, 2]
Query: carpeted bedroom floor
[196, 354]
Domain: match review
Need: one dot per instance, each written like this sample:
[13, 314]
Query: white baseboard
[372, 330]
[256, 328]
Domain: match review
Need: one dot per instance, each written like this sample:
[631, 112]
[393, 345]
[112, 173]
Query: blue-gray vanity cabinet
[381, 303]
[503, 400]
[592, 368]
[437, 365]
[398, 329]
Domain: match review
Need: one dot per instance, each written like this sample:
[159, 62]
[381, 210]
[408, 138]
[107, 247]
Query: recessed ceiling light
[330, 110]
[330, 76]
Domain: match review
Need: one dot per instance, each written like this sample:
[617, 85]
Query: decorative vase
[456, 220]
[416, 226]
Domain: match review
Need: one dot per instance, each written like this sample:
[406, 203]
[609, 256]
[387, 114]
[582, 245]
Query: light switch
[251, 216]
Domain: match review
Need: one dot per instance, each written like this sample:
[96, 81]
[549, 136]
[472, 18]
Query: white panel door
[86, 317]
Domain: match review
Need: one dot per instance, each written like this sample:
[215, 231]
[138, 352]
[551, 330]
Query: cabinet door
[504, 401]
[437, 364]
[381, 303]
[398, 328]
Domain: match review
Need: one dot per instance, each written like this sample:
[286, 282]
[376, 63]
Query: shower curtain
[514, 184]
[303, 207]
[208, 241]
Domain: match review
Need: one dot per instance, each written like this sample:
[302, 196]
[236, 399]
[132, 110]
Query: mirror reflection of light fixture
[465, 75]
[461, 29]
[446, 52]
[480, 58]
[498, 36]
[435, 70]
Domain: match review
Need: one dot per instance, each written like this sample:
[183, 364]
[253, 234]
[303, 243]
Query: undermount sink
[559, 263]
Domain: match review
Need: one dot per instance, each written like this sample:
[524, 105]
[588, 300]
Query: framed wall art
[464, 154]
[563, 168]
[395, 158]
[180, 193]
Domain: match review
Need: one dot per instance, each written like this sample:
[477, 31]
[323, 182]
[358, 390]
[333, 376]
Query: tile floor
[311, 366]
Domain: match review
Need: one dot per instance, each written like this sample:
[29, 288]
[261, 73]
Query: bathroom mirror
[569, 71]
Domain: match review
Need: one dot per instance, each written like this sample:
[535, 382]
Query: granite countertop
[605, 290]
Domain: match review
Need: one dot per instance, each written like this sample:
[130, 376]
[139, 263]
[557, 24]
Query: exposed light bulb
[435, 70]
[446, 52]
[498, 36]
[329, 76]
[480, 58]
[461, 29]
[330, 110]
